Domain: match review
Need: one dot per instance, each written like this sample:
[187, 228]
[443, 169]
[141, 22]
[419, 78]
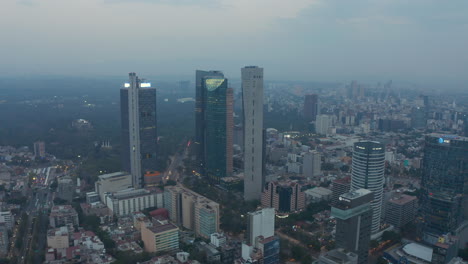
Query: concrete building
[323, 124]
[284, 196]
[62, 215]
[401, 210]
[339, 187]
[353, 215]
[318, 194]
[58, 237]
[252, 100]
[192, 210]
[8, 219]
[261, 245]
[368, 166]
[130, 200]
[139, 135]
[39, 149]
[338, 256]
[218, 240]
[65, 189]
[160, 237]
[311, 164]
[112, 182]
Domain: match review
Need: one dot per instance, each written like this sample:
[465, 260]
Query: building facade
[353, 215]
[139, 134]
[192, 210]
[311, 164]
[444, 184]
[252, 101]
[310, 107]
[130, 200]
[62, 215]
[39, 149]
[112, 182]
[339, 187]
[401, 210]
[160, 237]
[368, 168]
[285, 196]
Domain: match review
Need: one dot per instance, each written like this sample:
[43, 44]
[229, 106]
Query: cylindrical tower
[368, 173]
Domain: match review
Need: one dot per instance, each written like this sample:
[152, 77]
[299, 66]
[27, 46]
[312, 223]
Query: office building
[133, 200]
[368, 167]
[311, 164]
[401, 210]
[39, 149]
[323, 124]
[353, 215]
[62, 215]
[260, 223]
[284, 196]
[311, 108]
[192, 210]
[139, 135]
[214, 125]
[200, 106]
[261, 244]
[252, 101]
[445, 185]
[418, 117]
[162, 236]
[339, 187]
[8, 219]
[112, 182]
[338, 256]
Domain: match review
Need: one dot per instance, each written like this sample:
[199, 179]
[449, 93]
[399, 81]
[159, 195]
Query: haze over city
[422, 41]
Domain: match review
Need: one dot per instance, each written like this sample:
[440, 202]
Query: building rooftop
[162, 228]
[402, 199]
[356, 194]
[113, 175]
[418, 251]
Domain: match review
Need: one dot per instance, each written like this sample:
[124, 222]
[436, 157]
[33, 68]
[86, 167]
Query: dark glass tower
[444, 184]
[310, 107]
[200, 115]
[139, 135]
[214, 125]
[353, 214]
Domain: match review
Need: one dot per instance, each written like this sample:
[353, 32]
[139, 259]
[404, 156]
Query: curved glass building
[368, 173]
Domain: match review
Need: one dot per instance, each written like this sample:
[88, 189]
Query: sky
[310, 40]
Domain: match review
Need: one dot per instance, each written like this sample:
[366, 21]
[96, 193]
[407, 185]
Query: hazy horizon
[305, 40]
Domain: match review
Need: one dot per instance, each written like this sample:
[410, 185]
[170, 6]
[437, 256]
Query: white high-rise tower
[252, 100]
[368, 173]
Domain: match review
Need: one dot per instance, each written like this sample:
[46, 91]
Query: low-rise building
[62, 215]
[133, 200]
[58, 237]
[318, 194]
[338, 256]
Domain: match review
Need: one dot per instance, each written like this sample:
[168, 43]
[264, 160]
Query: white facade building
[260, 223]
[129, 201]
[252, 99]
[311, 163]
[112, 182]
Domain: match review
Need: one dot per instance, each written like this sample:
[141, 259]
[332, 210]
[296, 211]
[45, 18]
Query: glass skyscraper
[444, 184]
[139, 135]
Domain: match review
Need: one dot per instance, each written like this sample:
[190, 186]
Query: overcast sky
[317, 40]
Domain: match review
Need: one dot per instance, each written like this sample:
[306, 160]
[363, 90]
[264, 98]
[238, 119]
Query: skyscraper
[310, 107]
[252, 100]
[39, 149]
[353, 215]
[368, 173]
[139, 135]
[214, 125]
[200, 115]
[445, 185]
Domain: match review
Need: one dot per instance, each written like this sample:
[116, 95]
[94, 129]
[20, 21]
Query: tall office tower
[252, 100]
[310, 107]
[445, 185]
[285, 196]
[260, 223]
[323, 124]
[368, 173]
[311, 164]
[39, 149]
[200, 122]
[139, 136]
[229, 131]
[353, 214]
[418, 117]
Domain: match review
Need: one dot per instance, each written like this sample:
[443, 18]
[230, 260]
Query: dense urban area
[245, 171]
